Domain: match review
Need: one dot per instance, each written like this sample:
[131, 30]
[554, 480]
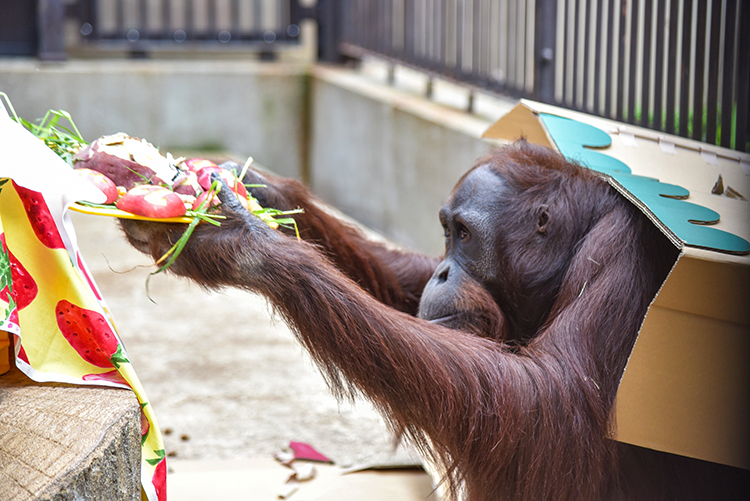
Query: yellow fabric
[49, 302]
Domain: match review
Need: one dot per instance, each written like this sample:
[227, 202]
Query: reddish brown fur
[525, 418]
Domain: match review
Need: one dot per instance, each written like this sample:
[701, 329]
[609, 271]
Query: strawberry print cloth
[62, 328]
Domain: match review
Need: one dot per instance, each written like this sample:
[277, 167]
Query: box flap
[656, 171]
[519, 122]
[686, 386]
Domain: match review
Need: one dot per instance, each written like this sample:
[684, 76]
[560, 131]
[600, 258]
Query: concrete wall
[388, 157]
[246, 107]
[383, 154]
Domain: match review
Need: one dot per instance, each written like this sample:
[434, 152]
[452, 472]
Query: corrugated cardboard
[686, 387]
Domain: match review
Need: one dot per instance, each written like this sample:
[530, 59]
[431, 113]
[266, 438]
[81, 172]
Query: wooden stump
[61, 441]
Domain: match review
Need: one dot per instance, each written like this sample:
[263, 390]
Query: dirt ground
[227, 381]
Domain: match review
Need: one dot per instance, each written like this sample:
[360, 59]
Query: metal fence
[678, 66]
[154, 24]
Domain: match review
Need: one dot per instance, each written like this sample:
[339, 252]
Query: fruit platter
[139, 182]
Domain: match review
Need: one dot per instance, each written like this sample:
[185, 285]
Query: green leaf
[6, 278]
[118, 358]
[161, 454]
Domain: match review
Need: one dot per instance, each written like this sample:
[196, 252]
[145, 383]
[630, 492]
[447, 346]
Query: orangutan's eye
[463, 233]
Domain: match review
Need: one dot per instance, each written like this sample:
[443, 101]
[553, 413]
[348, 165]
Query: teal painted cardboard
[687, 221]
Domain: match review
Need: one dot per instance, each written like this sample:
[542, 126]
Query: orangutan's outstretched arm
[393, 276]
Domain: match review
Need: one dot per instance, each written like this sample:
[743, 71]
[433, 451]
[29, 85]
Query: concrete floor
[227, 381]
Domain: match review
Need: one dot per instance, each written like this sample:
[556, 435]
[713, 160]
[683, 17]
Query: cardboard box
[686, 387]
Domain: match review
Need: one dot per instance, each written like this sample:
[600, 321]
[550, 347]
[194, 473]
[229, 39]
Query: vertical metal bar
[645, 83]
[366, 26]
[476, 35]
[189, 21]
[166, 20]
[521, 45]
[546, 37]
[120, 17]
[459, 36]
[584, 70]
[502, 44]
[727, 91]
[620, 107]
[88, 13]
[211, 31]
[235, 14]
[409, 35]
[672, 68]
[610, 41]
[598, 51]
[712, 98]
[443, 34]
[385, 20]
[659, 67]
[633, 14]
[684, 116]
[143, 19]
[351, 29]
[513, 42]
[574, 62]
[569, 66]
[258, 16]
[742, 137]
[51, 36]
[611, 44]
[700, 58]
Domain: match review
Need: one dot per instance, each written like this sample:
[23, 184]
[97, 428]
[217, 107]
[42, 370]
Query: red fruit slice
[126, 160]
[105, 184]
[204, 179]
[24, 287]
[187, 184]
[211, 203]
[196, 164]
[152, 201]
[87, 332]
[40, 217]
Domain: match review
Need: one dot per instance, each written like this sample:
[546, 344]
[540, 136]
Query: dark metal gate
[678, 66]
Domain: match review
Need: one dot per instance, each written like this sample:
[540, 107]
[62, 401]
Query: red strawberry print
[111, 376]
[145, 425]
[24, 287]
[21, 352]
[88, 333]
[160, 480]
[40, 217]
[85, 272]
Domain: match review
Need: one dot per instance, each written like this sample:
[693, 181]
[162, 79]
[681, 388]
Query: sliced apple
[105, 184]
[152, 201]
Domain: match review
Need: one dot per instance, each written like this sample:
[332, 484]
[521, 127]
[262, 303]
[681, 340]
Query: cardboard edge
[520, 122]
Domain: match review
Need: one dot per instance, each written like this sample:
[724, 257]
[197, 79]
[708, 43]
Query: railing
[678, 66]
[187, 20]
[143, 26]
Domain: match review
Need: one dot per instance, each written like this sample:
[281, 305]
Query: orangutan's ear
[542, 213]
